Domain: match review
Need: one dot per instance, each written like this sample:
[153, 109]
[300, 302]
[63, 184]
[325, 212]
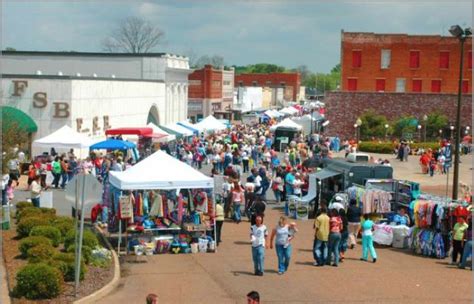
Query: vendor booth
[284, 131]
[64, 139]
[178, 130]
[166, 205]
[210, 124]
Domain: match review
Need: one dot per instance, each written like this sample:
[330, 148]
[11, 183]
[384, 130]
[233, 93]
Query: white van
[358, 158]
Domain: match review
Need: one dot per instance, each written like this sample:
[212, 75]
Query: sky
[284, 32]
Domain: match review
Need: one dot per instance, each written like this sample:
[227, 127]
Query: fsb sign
[40, 99]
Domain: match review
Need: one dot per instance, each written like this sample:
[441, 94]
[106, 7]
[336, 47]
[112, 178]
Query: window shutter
[444, 60]
[380, 85]
[352, 84]
[414, 59]
[417, 85]
[356, 59]
[436, 86]
[465, 86]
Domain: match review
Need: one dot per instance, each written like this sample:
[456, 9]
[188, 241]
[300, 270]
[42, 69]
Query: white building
[94, 91]
[248, 99]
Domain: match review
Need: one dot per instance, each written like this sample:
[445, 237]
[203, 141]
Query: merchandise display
[160, 211]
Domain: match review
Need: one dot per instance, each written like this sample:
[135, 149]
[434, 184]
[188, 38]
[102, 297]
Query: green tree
[216, 61]
[12, 137]
[405, 125]
[10, 49]
[373, 125]
[436, 121]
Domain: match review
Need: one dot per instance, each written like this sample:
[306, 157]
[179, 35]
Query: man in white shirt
[258, 237]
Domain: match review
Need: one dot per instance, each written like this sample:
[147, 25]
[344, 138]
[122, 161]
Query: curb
[99, 294]
[4, 291]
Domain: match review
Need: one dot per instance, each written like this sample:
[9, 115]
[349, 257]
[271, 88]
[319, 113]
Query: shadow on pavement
[305, 263]
[237, 273]
[242, 243]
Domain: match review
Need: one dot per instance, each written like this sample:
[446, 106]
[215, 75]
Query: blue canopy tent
[115, 144]
[188, 126]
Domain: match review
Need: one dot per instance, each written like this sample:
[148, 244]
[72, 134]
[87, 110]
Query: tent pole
[215, 225]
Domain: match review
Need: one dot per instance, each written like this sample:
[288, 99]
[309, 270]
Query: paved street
[226, 276]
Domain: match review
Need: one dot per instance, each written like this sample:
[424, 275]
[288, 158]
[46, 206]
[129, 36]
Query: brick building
[403, 63]
[204, 92]
[291, 82]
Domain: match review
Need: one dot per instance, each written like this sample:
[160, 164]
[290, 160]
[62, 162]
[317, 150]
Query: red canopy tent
[129, 131]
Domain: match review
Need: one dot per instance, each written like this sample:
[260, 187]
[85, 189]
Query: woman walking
[335, 228]
[344, 234]
[367, 241]
[258, 237]
[353, 217]
[237, 199]
[283, 233]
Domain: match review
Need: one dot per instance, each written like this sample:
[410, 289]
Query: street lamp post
[462, 35]
[356, 128]
[386, 131]
[440, 133]
[419, 132]
[451, 133]
[425, 120]
[359, 123]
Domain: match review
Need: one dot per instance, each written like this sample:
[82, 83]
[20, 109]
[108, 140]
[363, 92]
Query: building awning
[12, 117]
[324, 174]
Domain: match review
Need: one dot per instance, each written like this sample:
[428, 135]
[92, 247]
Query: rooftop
[69, 77]
[91, 54]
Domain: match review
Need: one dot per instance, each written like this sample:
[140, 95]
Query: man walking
[320, 245]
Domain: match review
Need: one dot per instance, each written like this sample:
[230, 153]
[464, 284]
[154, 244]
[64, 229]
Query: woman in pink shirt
[335, 228]
[237, 199]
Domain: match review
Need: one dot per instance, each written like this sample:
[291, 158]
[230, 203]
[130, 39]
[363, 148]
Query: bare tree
[216, 61]
[133, 35]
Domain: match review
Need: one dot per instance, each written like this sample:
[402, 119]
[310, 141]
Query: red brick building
[403, 63]
[290, 81]
[204, 92]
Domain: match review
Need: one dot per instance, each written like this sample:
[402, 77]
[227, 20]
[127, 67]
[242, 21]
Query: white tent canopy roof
[286, 123]
[210, 123]
[289, 111]
[64, 137]
[160, 171]
[179, 129]
[158, 130]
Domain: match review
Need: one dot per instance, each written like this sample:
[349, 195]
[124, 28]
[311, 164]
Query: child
[10, 191]
[433, 166]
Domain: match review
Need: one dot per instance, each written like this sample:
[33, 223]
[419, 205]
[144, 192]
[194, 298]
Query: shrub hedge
[27, 212]
[388, 147]
[65, 262]
[22, 205]
[40, 253]
[63, 223]
[50, 232]
[86, 252]
[31, 242]
[38, 281]
[89, 239]
[27, 224]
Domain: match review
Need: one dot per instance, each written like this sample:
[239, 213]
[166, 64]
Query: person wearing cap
[337, 203]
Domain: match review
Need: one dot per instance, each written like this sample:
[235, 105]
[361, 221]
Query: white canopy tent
[272, 113]
[210, 123]
[66, 138]
[289, 111]
[179, 129]
[169, 137]
[160, 171]
[286, 123]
